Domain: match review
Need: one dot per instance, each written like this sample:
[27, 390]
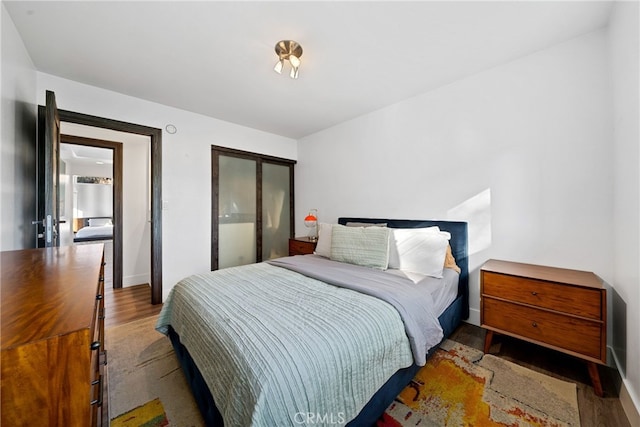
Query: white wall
[522, 152]
[136, 208]
[624, 46]
[18, 122]
[186, 164]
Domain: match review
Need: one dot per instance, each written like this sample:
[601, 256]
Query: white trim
[474, 316]
[629, 405]
[629, 401]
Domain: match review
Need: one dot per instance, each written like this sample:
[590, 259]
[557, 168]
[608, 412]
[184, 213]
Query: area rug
[142, 368]
[151, 414]
[461, 386]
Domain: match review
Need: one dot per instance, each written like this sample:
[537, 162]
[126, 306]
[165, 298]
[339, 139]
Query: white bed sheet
[443, 291]
[96, 231]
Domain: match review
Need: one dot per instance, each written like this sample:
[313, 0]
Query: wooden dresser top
[550, 274]
[45, 292]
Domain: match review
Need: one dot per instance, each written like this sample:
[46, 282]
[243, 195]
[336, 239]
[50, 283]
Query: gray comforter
[412, 302]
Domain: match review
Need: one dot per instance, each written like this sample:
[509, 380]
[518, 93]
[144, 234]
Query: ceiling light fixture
[291, 51]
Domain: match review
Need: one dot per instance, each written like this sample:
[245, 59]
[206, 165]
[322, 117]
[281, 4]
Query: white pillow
[323, 247]
[398, 236]
[419, 250]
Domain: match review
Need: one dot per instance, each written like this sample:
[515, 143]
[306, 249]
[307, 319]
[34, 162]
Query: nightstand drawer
[578, 301]
[301, 246]
[577, 335]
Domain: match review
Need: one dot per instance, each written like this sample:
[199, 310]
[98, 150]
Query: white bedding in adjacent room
[95, 231]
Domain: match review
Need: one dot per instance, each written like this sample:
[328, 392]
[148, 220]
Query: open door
[49, 180]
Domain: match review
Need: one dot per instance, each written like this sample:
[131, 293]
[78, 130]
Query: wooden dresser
[557, 308]
[52, 344]
[302, 246]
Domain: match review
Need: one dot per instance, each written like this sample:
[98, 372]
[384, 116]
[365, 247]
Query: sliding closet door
[252, 207]
[276, 215]
[236, 211]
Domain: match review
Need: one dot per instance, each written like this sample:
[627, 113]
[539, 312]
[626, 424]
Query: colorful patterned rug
[151, 414]
[461, 386]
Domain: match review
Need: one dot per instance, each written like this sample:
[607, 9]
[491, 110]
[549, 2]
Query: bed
[345, 372]
[95, 229]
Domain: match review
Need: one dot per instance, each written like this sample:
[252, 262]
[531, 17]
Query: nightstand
[301, 246]
[561, 309]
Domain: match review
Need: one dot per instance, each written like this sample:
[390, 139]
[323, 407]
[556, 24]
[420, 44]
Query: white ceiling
[217, 58]
[85, 155]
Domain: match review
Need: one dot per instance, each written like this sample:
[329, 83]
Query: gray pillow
[365, 246]
[366, 224]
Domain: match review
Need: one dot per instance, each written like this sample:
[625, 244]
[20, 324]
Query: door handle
[49, 229]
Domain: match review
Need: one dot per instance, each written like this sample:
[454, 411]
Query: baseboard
[135, 280]
[628, 405]
[630, 402]
[474, 316]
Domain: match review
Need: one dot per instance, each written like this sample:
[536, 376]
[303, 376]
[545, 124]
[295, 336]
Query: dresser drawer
[585, 302]
[577, 335]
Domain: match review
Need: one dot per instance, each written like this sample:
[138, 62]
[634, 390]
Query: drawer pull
[534, 293]
[99, 297]
[534, 324]
[95, 345]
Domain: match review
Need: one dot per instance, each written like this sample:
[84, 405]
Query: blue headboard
[458, 242]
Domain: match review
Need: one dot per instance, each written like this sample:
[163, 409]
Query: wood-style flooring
[128, 304]
[132, 303]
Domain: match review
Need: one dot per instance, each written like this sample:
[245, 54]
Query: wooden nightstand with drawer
[301, 246]
[561, 309]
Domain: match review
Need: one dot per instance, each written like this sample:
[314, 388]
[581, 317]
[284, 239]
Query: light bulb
[278, 67]
[295, 61]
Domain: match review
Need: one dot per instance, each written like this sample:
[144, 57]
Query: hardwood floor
[594, 411]
[132, 303]
[128, 304]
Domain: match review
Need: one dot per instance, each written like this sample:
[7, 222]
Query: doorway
[91, 196]
[155, 154]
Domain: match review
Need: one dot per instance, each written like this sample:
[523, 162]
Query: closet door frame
[216, 152]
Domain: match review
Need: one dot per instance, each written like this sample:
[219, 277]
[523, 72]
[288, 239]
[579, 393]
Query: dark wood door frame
[51, 208]
[155, 136]
[118, 185]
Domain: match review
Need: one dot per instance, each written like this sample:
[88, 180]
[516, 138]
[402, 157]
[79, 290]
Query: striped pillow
[365, 246]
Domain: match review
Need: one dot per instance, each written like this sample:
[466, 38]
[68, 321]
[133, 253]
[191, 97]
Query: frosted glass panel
[237, 212]
[276, 224]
